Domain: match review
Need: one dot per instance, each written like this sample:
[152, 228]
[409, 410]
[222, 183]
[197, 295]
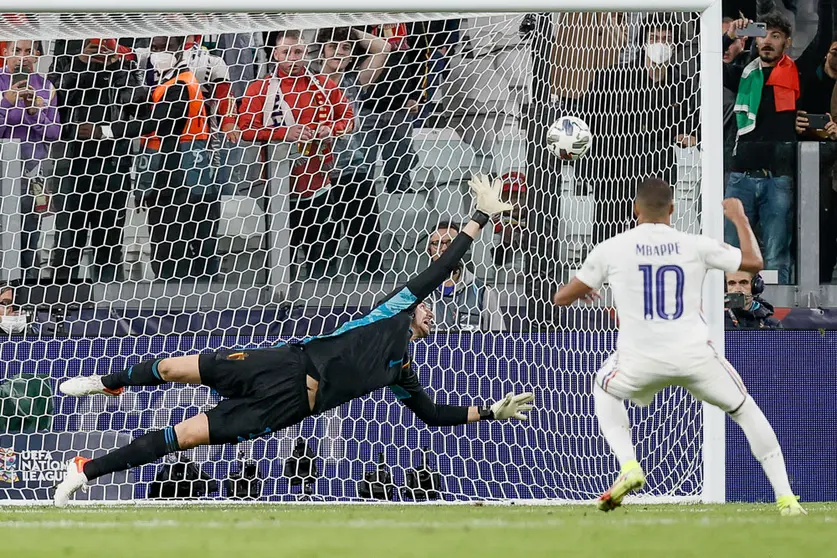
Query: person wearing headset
[743, 306]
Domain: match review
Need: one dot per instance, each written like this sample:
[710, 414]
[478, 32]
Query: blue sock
[145, 449]
[141, 374]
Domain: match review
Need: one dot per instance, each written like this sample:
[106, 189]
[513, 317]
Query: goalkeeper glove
[487, 198]
[511, 406]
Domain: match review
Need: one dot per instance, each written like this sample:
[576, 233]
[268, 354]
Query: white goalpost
[252, 239]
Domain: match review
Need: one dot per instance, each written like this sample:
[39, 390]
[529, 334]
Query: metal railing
[808, 292]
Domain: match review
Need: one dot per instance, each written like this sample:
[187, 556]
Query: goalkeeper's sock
[145, 449]
[614, 424]
[141, 374]
[764, 445]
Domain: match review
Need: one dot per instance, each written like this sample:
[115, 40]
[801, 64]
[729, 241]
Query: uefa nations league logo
[8, 465]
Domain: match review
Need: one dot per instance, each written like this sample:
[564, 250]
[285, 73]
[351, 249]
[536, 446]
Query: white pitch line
[385, 523]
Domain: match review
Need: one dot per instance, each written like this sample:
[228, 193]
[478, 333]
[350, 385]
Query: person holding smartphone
[815, 122]
[28, 114]
[762, 167]
[817, 67]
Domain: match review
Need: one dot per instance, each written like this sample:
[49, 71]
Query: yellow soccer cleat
[789, 506]
[631, 478]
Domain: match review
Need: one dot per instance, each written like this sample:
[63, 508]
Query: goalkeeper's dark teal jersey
[372, 352]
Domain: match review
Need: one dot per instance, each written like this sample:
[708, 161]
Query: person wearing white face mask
[639, 118]
[658, 54]
[11, 321]
[14, 324]
[161, 62]
[177, 183]
[213, 75]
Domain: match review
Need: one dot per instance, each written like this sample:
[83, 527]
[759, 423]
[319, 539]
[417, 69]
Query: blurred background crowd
[344, 151]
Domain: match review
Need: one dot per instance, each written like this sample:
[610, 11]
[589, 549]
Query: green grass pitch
[348, 531]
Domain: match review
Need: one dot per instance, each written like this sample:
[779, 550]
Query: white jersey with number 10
[656, 274]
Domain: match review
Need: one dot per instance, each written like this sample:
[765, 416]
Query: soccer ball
[569, 138]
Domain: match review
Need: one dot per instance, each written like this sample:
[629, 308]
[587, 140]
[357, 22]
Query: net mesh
[166, 193]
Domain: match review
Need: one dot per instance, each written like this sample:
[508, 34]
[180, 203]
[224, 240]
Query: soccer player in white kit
[656, 274]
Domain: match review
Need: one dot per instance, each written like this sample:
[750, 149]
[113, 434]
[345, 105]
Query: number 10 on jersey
[654, 291]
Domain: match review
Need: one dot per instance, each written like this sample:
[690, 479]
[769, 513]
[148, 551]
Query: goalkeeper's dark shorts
[266, 391]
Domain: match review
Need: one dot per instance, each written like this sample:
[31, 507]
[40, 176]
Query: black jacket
[372, 352]
[405, 74]
[759, 316]
[635, 122]
[816, 85]
[99, 94]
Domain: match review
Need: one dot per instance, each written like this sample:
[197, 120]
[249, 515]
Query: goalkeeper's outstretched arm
[488, 203]
[412, 394]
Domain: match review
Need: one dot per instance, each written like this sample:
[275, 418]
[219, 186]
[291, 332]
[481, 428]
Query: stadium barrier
[559, 454]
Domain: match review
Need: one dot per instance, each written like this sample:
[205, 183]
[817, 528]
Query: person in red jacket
[295, 105]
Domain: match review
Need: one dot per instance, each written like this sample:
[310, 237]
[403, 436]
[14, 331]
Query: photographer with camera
[743, 306]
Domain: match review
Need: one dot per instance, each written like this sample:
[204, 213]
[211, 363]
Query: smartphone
[734, 300]
[755, 29]
[817, 121]
[17, 78]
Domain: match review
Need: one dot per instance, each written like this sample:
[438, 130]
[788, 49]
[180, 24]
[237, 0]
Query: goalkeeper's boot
[789, 506]
[87, 385]
[73, 480]
[631, 478]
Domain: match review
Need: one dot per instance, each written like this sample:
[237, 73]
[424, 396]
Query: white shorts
[709, 378]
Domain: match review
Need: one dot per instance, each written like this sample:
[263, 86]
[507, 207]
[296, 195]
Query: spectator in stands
[748, 310]
[352, 197]
[176, 182]
[435, 43]
[767, 90]
[389, 108]
[244, 56]
[645, 107]
[585, 44]
[511, 227]
[736, 53]
[735, 50]
[12, 320]
[28, 114]
[817, 67]
[309, 112]
[213, 75]
[99, 92]
[7, 299]
[463, 302]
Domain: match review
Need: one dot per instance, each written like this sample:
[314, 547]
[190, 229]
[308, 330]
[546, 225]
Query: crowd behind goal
[148, 159]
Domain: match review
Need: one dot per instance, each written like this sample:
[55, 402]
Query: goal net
[178, 183]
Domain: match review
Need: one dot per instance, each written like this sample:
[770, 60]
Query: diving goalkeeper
[269, 389]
